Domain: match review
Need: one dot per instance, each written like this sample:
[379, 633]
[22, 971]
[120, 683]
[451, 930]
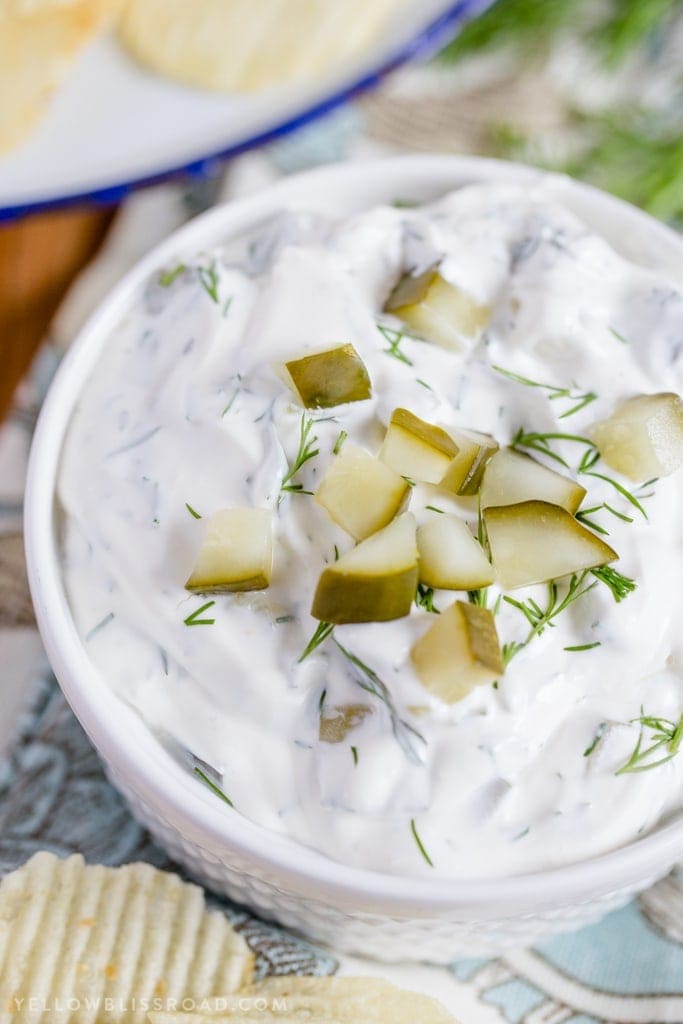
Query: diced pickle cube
[417, 449]
[437, 310]
[336, 723]
[534, 541]
[360, 493]
[236, 554]
[643, 438]
[458, 652]
[465, 472]
[450, 557]
[511, 477]
[374, 582]
[333, 377]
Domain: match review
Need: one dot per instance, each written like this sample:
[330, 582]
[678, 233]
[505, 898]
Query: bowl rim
[149, 771]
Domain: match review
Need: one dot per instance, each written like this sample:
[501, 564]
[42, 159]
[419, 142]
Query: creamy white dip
[185, 406]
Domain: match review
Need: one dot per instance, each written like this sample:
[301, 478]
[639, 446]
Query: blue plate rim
[424, 44]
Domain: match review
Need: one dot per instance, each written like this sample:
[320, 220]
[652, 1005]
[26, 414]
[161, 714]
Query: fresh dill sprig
[434, 508]
[424, 598]
[591, 456]
[620, 585]
[541, 443]
[167, 277]
[193, 512]
[322, 631]
[194, 618]
[584, 647]
[208, 278]
[368, 680]
[541, 618]
[354, 755]
[212, 786]
[394, 339]
[306, 451]
[420, 844]
[665, 735]
[589, 459]
[339, 442]
[579, 400]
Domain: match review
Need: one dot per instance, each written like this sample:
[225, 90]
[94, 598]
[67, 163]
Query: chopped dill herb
[411, 483]
[321, 701]
[589, 460]
[420, 844]
[584, 647]
[394, 339]
[336, 553]
[100, 625]
[322, 632]
[418, 380]
[424, 598]
[540, 618]
[193, 512]
[339, 442]
[226, 305]
[665, 735]
[354, 755]
[167, 277]
[480, 597]
[306, 451]
[620, 337]
[433, 508]
[194, 619]
[600, 732]
[284, 618]
[578, 399]
[208, 278]
[212, 786]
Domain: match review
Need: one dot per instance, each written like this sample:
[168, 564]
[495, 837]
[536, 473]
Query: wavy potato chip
[328, 1000]
[240, 45]
[39, 40]
[92, 943]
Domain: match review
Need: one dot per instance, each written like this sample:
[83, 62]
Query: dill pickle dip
[340, 734]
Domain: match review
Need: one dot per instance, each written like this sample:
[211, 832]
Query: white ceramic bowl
[379, 915]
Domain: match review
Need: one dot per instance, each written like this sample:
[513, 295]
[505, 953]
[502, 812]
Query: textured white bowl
[379, 915]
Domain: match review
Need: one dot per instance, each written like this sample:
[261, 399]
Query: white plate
[114, 127]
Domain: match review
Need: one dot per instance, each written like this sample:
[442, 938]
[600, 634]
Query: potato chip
[329, 1000]
[106, 944]
[39, 40]
[239, 45]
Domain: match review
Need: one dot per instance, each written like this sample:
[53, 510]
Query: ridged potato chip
[328, 1000]
[92, 943]
[39, 40]
[239, 45]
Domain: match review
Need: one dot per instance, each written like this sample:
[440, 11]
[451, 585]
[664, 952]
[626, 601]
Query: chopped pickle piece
[416, 449]
[465, 472]
[450, 557]
[236, 554]
[336, 723]
[511, 477]
[458, 652]
[437, 310]
[535, 541]
[374, 582]
[360, 493]
[333, 377]
[643, 438]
